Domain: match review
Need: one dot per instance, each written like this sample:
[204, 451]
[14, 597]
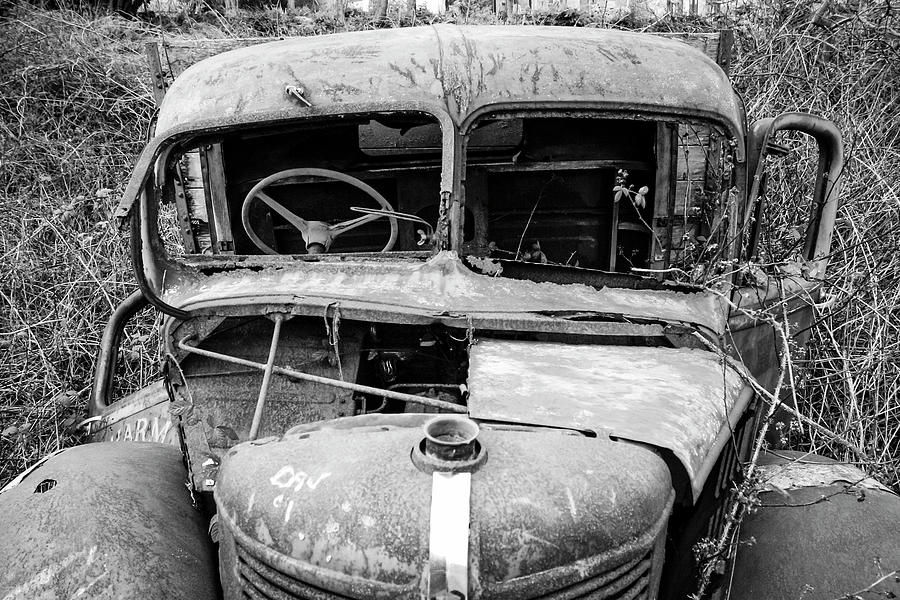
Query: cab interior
[537, 189]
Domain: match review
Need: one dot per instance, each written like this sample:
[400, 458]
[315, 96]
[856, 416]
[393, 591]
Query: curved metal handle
[827, 190]
[104, 370]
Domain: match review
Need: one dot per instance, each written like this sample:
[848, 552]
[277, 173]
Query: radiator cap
[450, 444]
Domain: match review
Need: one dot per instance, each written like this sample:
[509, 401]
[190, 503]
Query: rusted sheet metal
[140, 417]
[794, 291]
[675, 398]
[105, 521]
[790, 469]
[543, 514]
[795, 475]
[822, 529]
[522, 322]
[454, 70]
[442, 285]
[451, 72]
[819, 543]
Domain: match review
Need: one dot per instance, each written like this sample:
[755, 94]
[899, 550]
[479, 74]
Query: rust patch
[443, 285]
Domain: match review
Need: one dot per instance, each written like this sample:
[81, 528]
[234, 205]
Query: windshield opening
[355, 184]
[611, 195]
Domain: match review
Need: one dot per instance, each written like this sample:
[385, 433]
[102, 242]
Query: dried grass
[73, 107]
[846, 68]
[75, 100]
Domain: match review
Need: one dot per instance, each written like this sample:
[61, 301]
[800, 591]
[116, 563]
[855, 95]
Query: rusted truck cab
[453, 312]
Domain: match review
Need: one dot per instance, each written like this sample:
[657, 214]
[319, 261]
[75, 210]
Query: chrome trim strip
[448, 556]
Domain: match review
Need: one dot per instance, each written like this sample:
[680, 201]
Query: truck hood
[350, 509]
[440, 286]
[684, 400]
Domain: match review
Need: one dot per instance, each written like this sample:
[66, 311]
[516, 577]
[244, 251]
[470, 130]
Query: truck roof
[454, 73]
[451, 71]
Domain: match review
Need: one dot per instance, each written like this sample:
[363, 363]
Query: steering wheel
[318, 235]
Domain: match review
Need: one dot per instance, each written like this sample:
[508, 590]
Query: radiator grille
[262, 582]
[629, 581]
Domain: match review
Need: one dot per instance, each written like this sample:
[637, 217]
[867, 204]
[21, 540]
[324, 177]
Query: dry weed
[845, 65]
[72, 112]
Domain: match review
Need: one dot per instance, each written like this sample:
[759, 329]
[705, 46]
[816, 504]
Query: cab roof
[450, 70]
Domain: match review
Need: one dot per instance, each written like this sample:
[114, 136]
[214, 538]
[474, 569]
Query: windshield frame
[732, 131]
[155, 270]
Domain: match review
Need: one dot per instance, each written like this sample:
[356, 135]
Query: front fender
[105, 520]
[824, 531]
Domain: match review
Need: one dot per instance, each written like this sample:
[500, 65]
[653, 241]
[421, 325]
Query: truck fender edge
[823, 529]
[105, 520]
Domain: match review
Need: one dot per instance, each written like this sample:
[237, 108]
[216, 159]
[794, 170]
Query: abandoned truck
[456, 312]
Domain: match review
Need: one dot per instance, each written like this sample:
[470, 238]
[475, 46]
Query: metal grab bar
[102, 387]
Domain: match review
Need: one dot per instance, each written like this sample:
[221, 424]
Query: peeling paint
[443, 285]
[800, 474]
[675, 398]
